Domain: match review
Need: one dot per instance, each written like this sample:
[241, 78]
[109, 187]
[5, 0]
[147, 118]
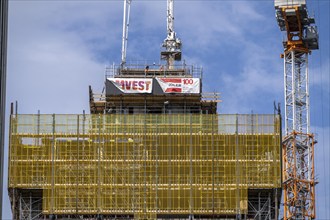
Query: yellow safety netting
[145, 165]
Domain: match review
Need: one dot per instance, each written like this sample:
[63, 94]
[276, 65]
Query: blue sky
[57, 48]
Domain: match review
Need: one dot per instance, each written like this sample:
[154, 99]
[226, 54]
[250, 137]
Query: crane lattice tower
[298, 143]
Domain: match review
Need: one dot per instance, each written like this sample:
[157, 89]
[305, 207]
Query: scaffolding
[143, 166]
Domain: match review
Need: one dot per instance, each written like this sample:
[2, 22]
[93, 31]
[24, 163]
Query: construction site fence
[144, 165]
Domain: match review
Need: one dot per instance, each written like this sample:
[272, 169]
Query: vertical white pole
[286, 95]
[294, 118]
[307, 97]
[123, 47]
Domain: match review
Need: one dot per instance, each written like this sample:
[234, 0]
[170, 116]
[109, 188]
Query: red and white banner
[179, 85]
[132, 85]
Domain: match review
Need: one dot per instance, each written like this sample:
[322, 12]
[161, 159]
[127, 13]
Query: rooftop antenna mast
[127, 9]
[172, 44]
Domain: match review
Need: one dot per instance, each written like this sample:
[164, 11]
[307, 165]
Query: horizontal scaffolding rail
[152, 69]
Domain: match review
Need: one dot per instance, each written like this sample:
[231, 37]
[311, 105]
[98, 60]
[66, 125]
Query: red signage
[179, 85]
[132, 85]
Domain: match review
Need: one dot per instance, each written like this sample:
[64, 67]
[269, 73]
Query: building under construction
[153, 147]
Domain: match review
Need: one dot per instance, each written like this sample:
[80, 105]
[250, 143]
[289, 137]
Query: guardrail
[152, 70]
[206, 97]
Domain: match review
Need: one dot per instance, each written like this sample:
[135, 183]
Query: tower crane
[127, 9]
[298, 143]
[172, 44]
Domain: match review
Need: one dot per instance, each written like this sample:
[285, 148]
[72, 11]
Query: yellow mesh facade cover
[144, 165]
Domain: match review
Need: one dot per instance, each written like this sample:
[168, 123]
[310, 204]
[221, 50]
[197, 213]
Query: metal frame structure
[3, 67]
[297, 115]
[262, 205]
[298, 143]
[144, 166]
[172, 43]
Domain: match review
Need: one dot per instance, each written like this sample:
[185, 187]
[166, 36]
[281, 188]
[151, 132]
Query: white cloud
[51, 65]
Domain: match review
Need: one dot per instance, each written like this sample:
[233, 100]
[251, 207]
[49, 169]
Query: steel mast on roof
[127, 9]
[172, 44]
[298, 143]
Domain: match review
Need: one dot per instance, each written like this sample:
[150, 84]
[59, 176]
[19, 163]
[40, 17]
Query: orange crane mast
[298, 143]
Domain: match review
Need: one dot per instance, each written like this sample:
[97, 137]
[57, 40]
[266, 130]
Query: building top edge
[154, 115]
